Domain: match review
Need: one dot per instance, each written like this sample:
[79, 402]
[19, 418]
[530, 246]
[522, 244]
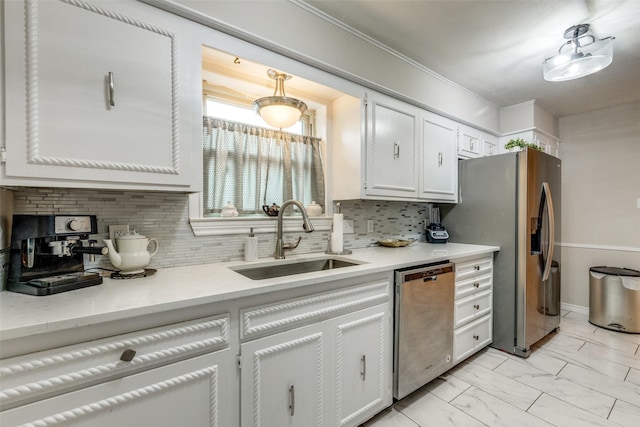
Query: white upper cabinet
[94, 96]
[392, 134]
[439, 170]
[469, 142]
[489, 144]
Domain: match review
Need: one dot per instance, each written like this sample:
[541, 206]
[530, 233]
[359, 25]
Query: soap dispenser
[251, 247]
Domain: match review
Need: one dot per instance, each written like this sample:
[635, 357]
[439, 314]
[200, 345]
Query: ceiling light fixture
[279, 110]
[581, 55]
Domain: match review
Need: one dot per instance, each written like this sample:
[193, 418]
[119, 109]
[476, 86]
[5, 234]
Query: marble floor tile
[631, 338]
[496, 384]
[582, 317]
[493, 411]
[541, 361]
[619, 389]
[609, 339]
[633, 376]
[611, 355]
[447, 387]
[390, 417]
[562, 414]
[587, 360]
[490, 358]
[559, 387]
[429, 410]
[625, 414]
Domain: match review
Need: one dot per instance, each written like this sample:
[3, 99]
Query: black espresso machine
[47, 253]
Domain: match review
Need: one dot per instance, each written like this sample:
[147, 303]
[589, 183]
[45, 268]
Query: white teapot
[132, 255]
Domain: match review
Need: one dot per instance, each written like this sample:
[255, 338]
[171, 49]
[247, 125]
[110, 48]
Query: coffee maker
[47, 253]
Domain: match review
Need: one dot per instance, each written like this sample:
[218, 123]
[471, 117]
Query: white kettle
[132, 255]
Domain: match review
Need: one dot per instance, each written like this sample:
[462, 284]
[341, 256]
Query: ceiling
[495, 48]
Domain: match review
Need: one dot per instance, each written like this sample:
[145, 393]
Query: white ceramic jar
[314, 209]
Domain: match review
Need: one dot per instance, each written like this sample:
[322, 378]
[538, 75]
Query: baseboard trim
[575, 308]
[599, 247]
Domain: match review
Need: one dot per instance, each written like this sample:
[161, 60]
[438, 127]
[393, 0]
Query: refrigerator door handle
[546, 192]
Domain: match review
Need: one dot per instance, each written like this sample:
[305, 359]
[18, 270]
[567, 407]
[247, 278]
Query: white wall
[296, 31]
[600, 153]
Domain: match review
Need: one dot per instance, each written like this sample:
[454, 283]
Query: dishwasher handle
[430, 278]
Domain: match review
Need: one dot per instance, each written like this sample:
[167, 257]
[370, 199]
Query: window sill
[239, 225]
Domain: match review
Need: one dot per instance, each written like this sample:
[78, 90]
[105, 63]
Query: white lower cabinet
[188, 393]
[282, 378]
[181, 374]
[360, 375]
[473, 308]
[334, 372]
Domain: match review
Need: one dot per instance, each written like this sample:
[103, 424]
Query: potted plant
[520, 144]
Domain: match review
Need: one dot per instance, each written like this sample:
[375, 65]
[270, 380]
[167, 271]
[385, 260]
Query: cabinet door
[93, 95]
[470, 142]
[282, 378]
[439, 169]
[392, 135]
[489, 145]
[194, 392]
[361, 364]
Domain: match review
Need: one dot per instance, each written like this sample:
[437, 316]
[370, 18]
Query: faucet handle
[291, 246]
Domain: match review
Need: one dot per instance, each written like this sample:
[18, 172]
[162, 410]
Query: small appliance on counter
[47, 253]
[435, 232]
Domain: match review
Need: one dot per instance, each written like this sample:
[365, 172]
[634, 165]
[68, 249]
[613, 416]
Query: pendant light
[279, 110]
[581, 55]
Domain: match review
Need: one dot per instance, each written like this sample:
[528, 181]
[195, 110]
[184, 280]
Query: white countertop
[182, 287]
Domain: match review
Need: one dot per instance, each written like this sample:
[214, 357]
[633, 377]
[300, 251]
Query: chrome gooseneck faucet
[306, 224]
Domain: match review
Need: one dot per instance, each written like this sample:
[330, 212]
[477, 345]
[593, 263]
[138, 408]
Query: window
[251, 166]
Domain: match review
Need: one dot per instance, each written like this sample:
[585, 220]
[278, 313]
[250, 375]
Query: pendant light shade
[279, 110]
[581, 55]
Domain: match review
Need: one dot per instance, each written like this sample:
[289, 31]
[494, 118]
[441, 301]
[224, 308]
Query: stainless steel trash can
[614, 298]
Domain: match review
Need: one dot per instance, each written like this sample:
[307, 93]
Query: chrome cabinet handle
[476, 337]
[128, 355]
[396, 150]
[476, 267]
[476, 306]
[439, 159]
[363, 367]
[292, 400]
[476, 285]
[111, 90]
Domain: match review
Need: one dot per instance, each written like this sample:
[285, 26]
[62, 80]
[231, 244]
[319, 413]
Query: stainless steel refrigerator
[513, 201]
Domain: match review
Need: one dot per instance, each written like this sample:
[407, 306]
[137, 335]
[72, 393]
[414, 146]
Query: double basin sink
[270, 270]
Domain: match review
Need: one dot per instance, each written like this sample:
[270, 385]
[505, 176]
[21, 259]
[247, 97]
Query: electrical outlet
[116, 231]
[347, 226]
[369, 226]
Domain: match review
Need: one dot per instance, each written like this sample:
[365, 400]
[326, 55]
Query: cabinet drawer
[471, 308]
[53, 371]
[187, 393]
[473, 285]
[471, 338]
[473, 268]
[258, 321]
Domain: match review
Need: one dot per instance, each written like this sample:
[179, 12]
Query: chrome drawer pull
[111, 90]
[476, 306]
[292, 400]
[476, 285]
[476, 267]
[363, 367]
[476, 337]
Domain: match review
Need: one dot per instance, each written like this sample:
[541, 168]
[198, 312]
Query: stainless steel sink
[290, 268]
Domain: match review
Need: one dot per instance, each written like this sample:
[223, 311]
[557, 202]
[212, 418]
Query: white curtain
[251, 166]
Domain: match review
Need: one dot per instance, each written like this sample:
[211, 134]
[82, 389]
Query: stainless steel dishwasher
[423, 329]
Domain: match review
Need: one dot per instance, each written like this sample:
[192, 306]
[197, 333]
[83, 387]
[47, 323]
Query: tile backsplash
[165, 216]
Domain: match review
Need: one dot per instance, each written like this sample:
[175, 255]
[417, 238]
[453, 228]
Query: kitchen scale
[435, 232]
